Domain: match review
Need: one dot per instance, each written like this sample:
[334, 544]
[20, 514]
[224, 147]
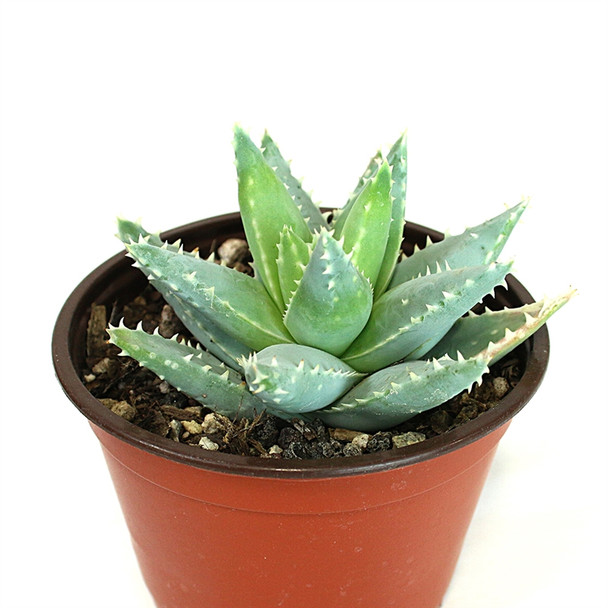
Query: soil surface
[142, 398]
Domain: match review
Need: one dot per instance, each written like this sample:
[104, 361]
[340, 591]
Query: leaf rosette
[336, 323]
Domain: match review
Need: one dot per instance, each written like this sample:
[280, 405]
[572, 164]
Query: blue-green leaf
[397, 159]
[395, 394]
[332, 301]
[235, 302]
[293, 256]
[266, 207]
[296, 378]
[366, 229]
[481, 244]
[309, 210]
[407, 321]
[193, 371]
[493, 334]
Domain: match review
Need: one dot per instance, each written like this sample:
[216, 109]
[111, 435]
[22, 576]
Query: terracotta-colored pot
[219, 531]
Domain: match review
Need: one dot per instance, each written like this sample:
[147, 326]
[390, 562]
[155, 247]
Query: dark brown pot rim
[75, 312]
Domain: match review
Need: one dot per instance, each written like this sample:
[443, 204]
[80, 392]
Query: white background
[127, 108]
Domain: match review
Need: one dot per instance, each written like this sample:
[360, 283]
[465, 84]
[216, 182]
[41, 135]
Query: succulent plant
[333, 324]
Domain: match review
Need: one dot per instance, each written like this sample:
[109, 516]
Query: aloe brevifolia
[334, 324]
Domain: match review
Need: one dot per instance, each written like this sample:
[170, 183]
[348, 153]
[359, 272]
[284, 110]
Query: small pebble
[468, 412]
[319, 429]
[96, 331]
[400, 441]
[212, 423]
[329, 449]
[379, 441]
[350, 449]
[195, 410]
[289, 436]
[232, 251]
[207, 444]
[275, 450]
[361, 440]
[103, 366]
[303, 427]
[169, 322]
[121, 408]
[175, 430]
[501, 386]
[192, 426]
[344, 434]
[296, 451]
[267, 431]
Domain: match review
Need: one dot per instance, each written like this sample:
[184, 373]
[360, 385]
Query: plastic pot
[219, 530]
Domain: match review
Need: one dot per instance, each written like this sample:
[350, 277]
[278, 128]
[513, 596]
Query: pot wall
[382, 539]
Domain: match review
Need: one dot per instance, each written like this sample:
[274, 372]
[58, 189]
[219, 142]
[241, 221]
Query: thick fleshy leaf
[266, 207]
[340, 215]
[395, 394]
[365, 231]
[397, 159]
[309, 210]
[221, 344]
[296, 378]
[332, 301]
[293, 256]
[193, 371]
[129, 231]
[132, 232]
[235, 302]
[497, 332]
[218, 342]
[407, 321]
[481, 244]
